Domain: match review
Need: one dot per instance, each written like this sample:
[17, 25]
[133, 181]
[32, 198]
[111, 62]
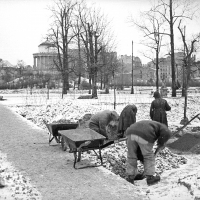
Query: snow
[180, 182]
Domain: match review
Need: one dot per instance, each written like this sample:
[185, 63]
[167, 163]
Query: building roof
[47, 43]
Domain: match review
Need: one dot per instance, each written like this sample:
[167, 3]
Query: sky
[25, 23]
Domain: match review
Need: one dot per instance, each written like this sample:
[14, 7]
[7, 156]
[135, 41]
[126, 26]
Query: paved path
[51, 170]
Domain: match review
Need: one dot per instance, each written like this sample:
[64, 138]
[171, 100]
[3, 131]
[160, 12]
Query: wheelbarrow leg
[64, 144]
[75, 159]
[100, 156]
[50, 138]
[79, 156]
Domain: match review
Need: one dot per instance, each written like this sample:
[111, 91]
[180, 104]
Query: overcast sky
[24, 24]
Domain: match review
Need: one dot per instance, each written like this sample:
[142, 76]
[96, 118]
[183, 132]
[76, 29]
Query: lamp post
[132, 90]
[122, 86]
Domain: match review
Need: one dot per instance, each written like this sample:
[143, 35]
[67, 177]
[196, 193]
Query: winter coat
[158, 110]
[126, 118]
[150, 131]
[100, 120]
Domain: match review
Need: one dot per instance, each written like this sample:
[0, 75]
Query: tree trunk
[157, 67]
[65, 83]
[94, 87]
[79, 81]
[79, 62]
[90, 84]
[184, 82]
[172, 52]
[101, 84]
[106, 85]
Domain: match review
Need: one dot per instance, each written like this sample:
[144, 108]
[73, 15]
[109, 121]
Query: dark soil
[185, 143]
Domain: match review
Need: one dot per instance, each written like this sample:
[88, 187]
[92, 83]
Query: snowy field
[185, 185]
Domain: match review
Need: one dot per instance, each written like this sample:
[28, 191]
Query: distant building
[141, 73]
[127, 63]
[165, 72]
[44, 59]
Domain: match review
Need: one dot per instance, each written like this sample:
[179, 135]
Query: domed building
[43, 60]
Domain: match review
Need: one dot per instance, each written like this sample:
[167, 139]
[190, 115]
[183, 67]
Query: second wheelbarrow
[54, 128]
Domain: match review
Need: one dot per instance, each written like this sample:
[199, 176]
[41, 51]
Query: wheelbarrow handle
[120, 140]
[112, 142]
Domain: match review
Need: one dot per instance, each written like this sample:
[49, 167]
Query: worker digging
[144, 134]
[140, 136]
[115, 156]
[102, 122]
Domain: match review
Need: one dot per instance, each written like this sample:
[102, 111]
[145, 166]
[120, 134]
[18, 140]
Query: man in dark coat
[144, 134]
[158, 109]
[99, 121]
[126, 118]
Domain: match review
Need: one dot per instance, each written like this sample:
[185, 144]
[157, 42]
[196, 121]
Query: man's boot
[152, 179]
[139, 177]
[131, 178]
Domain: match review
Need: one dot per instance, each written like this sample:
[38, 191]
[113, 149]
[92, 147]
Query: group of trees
[159, 25]
[23, 76]
[77, 26]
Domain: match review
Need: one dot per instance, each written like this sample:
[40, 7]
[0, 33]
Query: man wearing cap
[144, 134]
[99, 121]
[158, 109]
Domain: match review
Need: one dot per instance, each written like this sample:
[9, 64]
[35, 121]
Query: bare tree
[78, 29]
[151, 26]
[171, 11]
[188, 62]
[61, 34]
[94, 35]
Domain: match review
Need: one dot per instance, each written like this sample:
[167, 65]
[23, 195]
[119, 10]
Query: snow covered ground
[180, 178]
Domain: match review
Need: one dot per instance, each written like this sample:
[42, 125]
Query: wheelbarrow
[54, 128]
[81, 140]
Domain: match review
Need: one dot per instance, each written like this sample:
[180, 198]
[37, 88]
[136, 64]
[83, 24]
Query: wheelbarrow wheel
[63, 144]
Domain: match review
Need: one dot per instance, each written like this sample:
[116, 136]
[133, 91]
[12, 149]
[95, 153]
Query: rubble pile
[114, 156]
[55, 113]
[195, 149]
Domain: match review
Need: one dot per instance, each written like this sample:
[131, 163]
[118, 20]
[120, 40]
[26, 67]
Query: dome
[46, 47]
[47, 43]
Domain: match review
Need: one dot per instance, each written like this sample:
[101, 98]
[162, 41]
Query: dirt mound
[195, 149]
[185, 143]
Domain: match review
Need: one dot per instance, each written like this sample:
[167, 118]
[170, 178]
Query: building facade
[44, 59]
